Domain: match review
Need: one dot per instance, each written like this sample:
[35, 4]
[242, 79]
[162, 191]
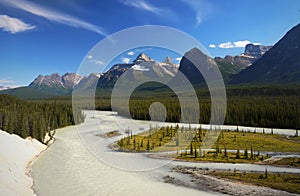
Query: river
[80, 163]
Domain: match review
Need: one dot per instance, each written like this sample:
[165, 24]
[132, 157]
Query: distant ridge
[27, 93]
[230, 65]
[281, 64]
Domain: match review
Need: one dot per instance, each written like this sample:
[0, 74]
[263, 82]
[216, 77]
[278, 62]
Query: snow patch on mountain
[140, 68]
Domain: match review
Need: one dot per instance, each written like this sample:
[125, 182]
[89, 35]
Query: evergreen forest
[35, 119]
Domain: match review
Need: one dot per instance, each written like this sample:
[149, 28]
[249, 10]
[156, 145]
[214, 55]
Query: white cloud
[131, 53]
[90, 57]
[53, 15]
[97, 62]
[212, 45]
[142, 5]
[6, 81]
[145, 6]
[241, 44]
[13, 25]
[178, 59]
[256, 43]
[125, 60]
[226, 45]
[236, 44]
[200, 7]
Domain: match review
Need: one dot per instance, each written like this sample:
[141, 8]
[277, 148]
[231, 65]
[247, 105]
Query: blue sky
[43, 37]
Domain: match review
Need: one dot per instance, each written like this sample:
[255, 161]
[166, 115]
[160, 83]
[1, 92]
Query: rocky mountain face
[256, 51]
[281, 64]
[56, 81]
[230, 65]
[234, 64]
[142, 58]
[109, 78]
[71, 79]
[143, 67]
[193, 61]
[88, 82]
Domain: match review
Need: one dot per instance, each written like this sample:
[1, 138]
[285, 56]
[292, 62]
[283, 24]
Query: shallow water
[79, 162]
[68, 168]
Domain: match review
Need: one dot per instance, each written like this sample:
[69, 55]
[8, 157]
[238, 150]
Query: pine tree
[128, 141]
[252, 153]
[148, 144]
[246, 153]
[177, 138]
[142, 143]
[134, 143]
[217, 149]
[238, 154]
[138, 146]
[121, 142]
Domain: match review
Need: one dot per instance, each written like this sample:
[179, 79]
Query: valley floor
[80, 162]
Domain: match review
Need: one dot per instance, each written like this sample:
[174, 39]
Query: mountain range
[258, 65]
[55, 83]
[230, 65]
[143, 67]
[281, 64]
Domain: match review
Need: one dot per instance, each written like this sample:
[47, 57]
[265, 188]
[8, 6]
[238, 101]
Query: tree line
[35, 119]
[256, 107]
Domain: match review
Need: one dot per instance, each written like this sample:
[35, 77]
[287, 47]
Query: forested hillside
[34, 119]
[268, 106]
